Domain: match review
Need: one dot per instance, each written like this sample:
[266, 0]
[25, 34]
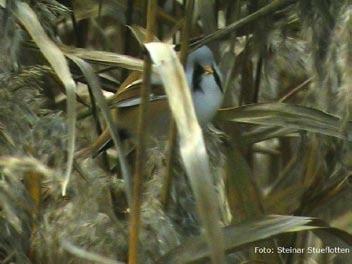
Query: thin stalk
[127, 34]
[75, 26]
[254, 99]
[221, 33]
[258, 75]
[80, 28]
[166, 18]
[236, 17]
[171, 152]
[187, 29]
[296, 90]
[135, 217]
[217, 8]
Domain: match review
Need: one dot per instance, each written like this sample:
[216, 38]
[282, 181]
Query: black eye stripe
[196, 77]
[217, 78]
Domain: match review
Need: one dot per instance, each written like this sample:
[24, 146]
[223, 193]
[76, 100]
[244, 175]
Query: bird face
[204, 80]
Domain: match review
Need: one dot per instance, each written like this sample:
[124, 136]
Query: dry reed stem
[135, 217]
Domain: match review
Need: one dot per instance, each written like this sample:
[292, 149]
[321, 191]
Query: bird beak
[208, 69]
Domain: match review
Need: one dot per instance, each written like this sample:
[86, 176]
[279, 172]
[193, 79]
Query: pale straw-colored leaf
[192, 147]
[106, 58]
[140, 34]
[57, 60]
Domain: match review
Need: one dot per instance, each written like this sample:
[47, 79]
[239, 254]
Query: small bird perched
[204, 80]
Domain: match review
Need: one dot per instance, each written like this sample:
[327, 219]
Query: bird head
[204, 79]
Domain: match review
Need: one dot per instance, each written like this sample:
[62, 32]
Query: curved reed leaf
[106, 58]
[262, 133]
[57, 60]
[249, 233]
[93, 82]
[192, 146]
[286, 116]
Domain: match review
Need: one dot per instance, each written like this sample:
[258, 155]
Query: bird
[204, 79]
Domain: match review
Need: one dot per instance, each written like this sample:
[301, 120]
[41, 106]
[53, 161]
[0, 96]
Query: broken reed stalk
[141, 147]
[171, 152]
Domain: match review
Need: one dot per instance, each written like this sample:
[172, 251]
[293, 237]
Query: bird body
[204, 79]
[158, 118]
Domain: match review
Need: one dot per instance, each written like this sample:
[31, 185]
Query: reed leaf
[93, 82]
[193, 151]
[106, 58]
[286, 116]
[57, 60]
[248, 234]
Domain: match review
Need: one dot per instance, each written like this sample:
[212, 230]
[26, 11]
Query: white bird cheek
[208, 101]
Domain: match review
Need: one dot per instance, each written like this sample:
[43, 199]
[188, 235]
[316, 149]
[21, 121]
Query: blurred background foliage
[279, 149]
